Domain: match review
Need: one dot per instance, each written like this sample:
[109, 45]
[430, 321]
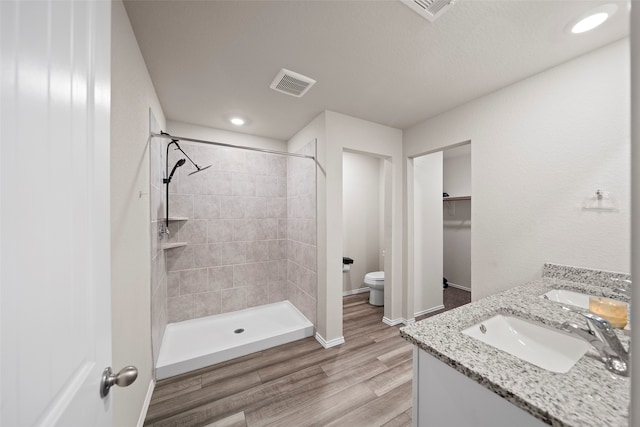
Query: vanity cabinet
[443, 396]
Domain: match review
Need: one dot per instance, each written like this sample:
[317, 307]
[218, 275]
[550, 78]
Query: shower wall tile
[267, 229]
[233, 299]
[158, 317]
[206, 207]
[282, 270]
[281, 188]
[267, 186]
[277, 249]
[232, 253]
[277, 291]
[271, 271]
[282, 228]
[219, 230]
[257, 251]
[277, 207]
[243, 184]
[181, 205]
[193, 281]
[180, 308]
[257, 295]
[244, 230]
[232, 207]
[173, 284]
[191, 184]
[246, 275]
[257, 163]
[255, 207]
[174, 232]
[206, 255]
[232, 160]
[194, 231]
[207, 304]
[180, 258]
[277, 166]
[218, 182]
[220, 278]
[157, 203]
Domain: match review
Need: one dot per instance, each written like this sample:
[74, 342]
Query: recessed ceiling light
[592, 19]
[238, 121]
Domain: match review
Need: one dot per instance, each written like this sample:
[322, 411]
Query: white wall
[132, 96]
[456, 238]
[427, 236]
[361, 215]
[540, 149]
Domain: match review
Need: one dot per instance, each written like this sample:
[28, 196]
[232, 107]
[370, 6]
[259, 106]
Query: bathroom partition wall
[301, 236]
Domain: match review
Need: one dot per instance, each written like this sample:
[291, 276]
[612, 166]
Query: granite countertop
[587, 395]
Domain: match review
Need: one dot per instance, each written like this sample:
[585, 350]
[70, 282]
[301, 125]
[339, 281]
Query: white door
[54, 212]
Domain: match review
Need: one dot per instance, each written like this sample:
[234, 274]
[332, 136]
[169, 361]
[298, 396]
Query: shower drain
[238, 331]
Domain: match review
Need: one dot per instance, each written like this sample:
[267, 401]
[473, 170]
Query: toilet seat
[374, 278]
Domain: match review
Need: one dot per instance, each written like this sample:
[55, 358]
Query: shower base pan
[197, 343]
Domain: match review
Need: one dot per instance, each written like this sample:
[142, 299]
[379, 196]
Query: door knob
[124, 378]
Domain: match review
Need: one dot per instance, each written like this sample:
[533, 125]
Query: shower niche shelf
[177, 218]
[174, 245]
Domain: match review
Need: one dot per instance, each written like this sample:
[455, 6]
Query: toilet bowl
[375, 282]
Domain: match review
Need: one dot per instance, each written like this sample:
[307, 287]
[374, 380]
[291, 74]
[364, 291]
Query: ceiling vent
[429, 9]
[291, 83]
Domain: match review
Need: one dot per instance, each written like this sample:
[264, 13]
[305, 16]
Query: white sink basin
[564, 296]
[545, 347]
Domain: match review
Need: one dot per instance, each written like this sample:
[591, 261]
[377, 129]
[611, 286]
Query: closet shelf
[455, 199]
[174, 245]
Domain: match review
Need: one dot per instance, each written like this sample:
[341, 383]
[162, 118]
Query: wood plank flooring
[364, 382]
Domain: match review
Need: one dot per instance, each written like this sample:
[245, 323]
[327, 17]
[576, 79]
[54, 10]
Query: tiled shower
[247, 230]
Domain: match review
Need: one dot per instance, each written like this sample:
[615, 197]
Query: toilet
[375, 281]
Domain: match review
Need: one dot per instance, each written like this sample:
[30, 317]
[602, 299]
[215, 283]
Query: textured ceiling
[376, 60]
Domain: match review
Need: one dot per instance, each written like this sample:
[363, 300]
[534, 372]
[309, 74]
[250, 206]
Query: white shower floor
[197, 343]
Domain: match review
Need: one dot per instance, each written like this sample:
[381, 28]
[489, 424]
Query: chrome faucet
[602, 337]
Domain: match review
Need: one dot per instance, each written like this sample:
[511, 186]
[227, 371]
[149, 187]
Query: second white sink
[564, 296]
[545, 347]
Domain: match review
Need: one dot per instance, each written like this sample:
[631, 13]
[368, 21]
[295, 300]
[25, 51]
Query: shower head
[198, 169]
[176, 166]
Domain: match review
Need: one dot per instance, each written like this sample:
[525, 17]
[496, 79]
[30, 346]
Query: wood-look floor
[364, 382]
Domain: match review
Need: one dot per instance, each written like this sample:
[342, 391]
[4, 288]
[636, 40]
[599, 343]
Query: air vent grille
[429, 9]
[291, 83]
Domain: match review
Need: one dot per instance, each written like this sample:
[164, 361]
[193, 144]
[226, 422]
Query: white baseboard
[147, 401]
[393, 322]
[355, 291]
[464, 288]
[331, 343]
[428, 310]
[399, 321]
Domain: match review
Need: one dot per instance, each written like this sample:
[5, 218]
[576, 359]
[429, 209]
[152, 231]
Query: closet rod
[222, 144]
